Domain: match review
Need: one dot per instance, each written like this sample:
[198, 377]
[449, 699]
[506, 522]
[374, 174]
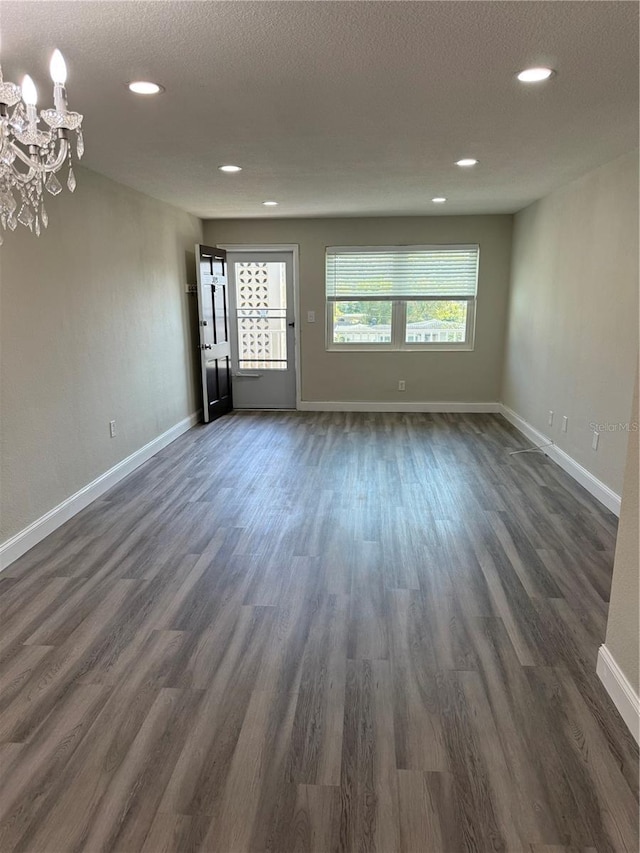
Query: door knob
[291, 324]
[206, 346]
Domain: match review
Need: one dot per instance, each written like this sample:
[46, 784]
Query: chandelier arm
[23, 177]
[27, 159]
[34, 167]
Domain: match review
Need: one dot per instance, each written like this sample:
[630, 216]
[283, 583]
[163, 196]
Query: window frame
[398, 340]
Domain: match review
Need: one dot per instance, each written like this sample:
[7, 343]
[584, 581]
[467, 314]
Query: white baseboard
[595, 487]
[358, 406]
[23, 541]
[622, 694]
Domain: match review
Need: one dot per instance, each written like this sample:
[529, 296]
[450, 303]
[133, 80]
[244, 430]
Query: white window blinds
[401, 272]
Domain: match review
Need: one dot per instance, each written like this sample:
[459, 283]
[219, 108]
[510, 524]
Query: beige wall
[94, 326]
[373, 376]
[623, 633]
[573, 317]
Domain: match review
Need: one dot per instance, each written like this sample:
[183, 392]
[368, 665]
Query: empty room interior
[319, 449]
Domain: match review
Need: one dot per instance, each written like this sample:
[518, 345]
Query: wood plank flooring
[318, 632]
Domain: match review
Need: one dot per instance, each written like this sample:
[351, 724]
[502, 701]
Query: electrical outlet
[595, 440]
[550, 418]
[402, 386]
[565, 423]
[112, 429]
[311, 316]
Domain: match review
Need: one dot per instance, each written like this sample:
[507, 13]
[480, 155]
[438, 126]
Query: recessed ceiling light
[230, 168]
[145, 87]
[270, 203]
[439, 199]
[467, 161]
[535, 75]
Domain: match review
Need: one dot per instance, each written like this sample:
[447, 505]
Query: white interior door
[262, 333]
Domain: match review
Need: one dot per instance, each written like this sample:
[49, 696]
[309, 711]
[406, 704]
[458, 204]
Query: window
[401, 297]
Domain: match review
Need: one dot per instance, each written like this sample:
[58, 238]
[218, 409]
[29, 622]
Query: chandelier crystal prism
[29, 155]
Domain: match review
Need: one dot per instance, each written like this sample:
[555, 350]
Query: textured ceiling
[339, 108]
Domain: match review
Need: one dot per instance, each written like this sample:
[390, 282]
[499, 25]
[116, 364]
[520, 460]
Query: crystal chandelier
[30, 156]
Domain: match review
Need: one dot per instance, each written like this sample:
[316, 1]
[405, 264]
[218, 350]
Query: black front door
[213, 318]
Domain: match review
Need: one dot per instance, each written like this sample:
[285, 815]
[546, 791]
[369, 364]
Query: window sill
[407, 348]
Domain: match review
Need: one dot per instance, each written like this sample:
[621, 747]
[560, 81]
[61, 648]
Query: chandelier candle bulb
[58, 71]
[30, 97]
[58, 68]
[29, 91]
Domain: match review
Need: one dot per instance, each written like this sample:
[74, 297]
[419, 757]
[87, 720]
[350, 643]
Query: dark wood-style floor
[319, 632]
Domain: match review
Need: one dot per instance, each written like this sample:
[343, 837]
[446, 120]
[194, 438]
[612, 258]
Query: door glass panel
[220, 313]
[261, 315]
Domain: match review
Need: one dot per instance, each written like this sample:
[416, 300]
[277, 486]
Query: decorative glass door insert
[261, 315]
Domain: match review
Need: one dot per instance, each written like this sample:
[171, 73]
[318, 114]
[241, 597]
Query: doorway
[263, 334]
